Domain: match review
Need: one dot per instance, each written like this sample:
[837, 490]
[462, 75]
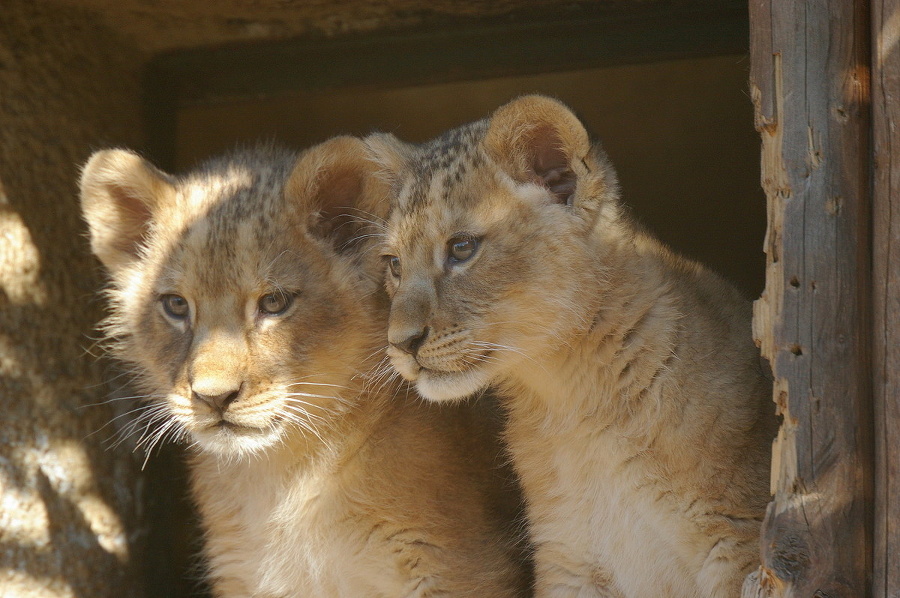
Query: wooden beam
[584, 35]
[810, 86]
[886, 293]
[530, 42]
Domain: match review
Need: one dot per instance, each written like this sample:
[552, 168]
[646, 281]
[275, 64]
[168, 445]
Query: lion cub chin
[640, 417]
[240, 296]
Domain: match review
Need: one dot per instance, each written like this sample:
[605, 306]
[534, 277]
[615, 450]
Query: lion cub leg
[557, 578]
[727, 565]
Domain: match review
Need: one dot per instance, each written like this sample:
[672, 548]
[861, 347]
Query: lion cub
[240, 294]
[640, 418]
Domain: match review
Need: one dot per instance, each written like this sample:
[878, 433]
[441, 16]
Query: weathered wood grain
[810, 86]
[886, 293]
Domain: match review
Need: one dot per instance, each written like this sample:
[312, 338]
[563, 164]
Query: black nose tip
[218, 402]
[412, 342]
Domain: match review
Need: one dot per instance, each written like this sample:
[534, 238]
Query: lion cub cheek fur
[640, 418]
[312, 479]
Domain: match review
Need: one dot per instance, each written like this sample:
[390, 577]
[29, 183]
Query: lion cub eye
[394, 265]
[462, 248]
[175, 306]
[274, 304]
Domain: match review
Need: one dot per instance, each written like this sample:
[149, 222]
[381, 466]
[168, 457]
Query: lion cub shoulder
[246, 297]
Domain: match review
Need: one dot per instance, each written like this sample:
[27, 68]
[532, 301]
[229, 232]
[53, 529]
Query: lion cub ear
[334, 183]
[120, 192]
[390, 153]
[539, 140]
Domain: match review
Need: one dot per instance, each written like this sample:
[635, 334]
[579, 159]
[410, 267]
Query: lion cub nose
[217, 399]
[409, 341]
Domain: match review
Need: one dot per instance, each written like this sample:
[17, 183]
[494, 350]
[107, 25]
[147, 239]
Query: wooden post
[810, 87]
[886, 293]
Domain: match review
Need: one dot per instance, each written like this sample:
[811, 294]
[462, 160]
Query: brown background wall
[69, 513]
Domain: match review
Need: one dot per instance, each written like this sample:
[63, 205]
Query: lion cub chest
[613, 508]
[297, 533]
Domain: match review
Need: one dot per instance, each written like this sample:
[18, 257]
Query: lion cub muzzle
[216, 372]
[440, 355]
[408, 326]
[217, 402]
[412, 341]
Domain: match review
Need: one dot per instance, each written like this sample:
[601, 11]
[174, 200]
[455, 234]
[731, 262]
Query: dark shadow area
[173, 566]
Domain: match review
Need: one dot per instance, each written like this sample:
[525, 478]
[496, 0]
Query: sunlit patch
[31, 530]
[215, 185]
[888, 38]
[26, 511]
[21, 257]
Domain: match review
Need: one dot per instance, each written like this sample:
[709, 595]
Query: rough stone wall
[69, 516]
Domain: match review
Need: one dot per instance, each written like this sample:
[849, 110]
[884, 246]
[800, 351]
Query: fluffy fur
[311, 477]
[640, 415]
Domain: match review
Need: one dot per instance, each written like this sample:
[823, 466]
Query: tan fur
[640, 418]
[312, 479]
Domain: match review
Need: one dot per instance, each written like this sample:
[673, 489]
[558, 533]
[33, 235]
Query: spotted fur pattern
[312, 475]
[640, 416]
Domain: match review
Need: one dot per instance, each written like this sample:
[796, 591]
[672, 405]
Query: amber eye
[394, 265]
[275, 304]
[175, 306]
[462, 248]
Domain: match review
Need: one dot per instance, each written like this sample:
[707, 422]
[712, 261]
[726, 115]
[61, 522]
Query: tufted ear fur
[335, 183]
[539, 140]
[120, 191]
[389, 153]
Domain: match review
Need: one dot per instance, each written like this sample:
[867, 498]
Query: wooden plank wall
[810, 86]
[886, 293]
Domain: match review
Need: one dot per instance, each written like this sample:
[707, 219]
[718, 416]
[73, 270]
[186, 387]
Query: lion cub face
[488, 251]
[232, 291]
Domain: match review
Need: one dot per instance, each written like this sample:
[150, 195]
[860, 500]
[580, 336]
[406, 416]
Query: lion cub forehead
[439, 166]
[214, 258]
[476, 202]
[239, 186]
[232, 231]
